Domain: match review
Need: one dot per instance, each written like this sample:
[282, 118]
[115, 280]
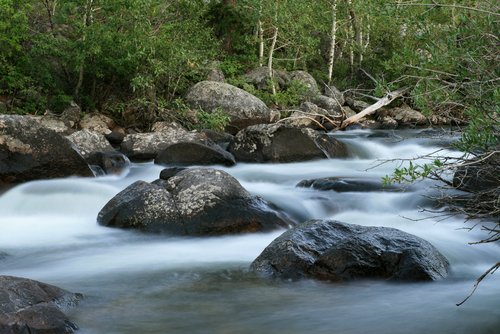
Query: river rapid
[136, 283]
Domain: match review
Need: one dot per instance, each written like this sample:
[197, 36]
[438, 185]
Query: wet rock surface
[192, 153]
[194, 202]
[28, 306]
[336, 251]
[29, 151]
[284, 143]
[346, 185]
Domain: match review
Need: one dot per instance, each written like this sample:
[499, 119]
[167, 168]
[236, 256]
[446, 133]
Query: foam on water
[49, 229]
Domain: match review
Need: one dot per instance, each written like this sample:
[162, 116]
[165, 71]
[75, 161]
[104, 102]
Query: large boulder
[243, 108]
[148, 145]
[192, 153]
[284, 143]
[194, 202]
[336, 251]
[305, 79]
[28, 306]
[29, 151]
[89, 142]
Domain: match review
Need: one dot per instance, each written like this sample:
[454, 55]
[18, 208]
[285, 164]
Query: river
[136, 283]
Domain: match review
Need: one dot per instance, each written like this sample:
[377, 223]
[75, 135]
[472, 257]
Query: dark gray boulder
[194, 202]
[167, 173]
[346, 185]
[284, 143]
[29, 151]
[142, 206]
[28, 306]
[192, 153]
[116, 136]
[220, 138]
[331, 250]
[243, 108]
[144, 146]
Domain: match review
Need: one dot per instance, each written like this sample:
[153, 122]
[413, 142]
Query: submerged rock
[28, 306]
[194, 202]
[336, 251]
[29, 151]
[284, 143]
[345, 185]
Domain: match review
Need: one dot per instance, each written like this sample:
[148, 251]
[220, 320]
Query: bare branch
[489, 271]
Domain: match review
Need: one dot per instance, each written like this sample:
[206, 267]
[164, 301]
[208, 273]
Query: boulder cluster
[189, 200]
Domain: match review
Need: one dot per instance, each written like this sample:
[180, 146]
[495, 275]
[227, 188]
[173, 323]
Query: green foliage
[60, 102]
[412, 173]
[482, 132]
[216, 120]
[149, 52]
[127, 49]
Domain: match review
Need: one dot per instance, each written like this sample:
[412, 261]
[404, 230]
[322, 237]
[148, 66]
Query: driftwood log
[387, 99]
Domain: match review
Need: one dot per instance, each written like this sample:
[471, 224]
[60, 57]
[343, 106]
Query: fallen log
[387, 99]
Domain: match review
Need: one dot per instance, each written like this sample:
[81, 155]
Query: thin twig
[489, 271]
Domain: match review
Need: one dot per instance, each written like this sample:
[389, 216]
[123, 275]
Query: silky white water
[137, 283]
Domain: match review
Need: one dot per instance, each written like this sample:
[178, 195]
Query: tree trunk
[261, 42]
[87, 21]
[333, 35]
[270, 60]
[355, 33]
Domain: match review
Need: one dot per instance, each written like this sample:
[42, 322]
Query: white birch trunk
[270, 60]
[333, 37]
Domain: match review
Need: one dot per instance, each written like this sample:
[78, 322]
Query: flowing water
[137, 283]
